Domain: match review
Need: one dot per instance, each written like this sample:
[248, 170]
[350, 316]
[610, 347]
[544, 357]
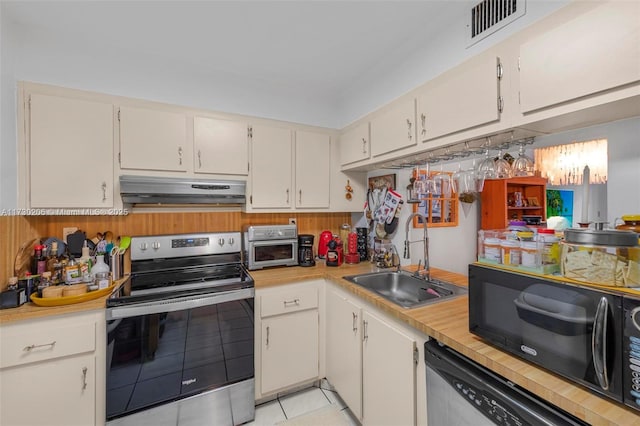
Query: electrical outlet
[67, 231]
[292, 221]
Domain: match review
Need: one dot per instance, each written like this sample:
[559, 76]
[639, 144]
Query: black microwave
[585, 334]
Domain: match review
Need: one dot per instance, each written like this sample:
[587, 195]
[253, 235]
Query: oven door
[165, 353]
[572, 330]
[262, 254]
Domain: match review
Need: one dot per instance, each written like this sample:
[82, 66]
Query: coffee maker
[305, 250]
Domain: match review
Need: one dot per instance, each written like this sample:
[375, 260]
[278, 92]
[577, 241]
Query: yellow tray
[70, 300]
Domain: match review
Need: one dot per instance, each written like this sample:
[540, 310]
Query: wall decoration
[382, 182]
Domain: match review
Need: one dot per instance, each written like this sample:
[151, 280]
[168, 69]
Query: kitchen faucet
[407, 244]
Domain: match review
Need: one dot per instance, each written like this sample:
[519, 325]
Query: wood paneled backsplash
[17, 230]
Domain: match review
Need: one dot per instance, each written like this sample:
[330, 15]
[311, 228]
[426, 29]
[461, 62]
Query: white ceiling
[311, 47]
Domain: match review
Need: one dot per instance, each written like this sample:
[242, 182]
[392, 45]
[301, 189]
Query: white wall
[450, 248]
[409, 69]
[623, 184]
[8, 102]
[59, 60]
[454, 248]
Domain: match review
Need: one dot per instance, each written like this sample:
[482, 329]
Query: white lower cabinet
[287, 336]
[373, 363]
[344, 349]
[52, 371]
[388, 373]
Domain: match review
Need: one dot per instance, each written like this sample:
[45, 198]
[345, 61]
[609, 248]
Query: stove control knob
[156, 245]
[231, 241]
[221, 241]
[143, 246]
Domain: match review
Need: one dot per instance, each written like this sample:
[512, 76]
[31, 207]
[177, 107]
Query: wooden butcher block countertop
[448, 322]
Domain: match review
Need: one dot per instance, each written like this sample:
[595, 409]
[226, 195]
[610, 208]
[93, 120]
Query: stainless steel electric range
[180, 338]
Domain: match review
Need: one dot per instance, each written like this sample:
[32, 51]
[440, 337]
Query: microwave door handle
[599, 343]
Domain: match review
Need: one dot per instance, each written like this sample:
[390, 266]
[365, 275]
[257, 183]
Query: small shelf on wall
[440, 211]
[499, 198]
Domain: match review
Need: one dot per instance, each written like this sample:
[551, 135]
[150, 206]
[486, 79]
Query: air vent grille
[488, 16]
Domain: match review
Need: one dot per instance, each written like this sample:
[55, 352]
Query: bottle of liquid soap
[101, 272]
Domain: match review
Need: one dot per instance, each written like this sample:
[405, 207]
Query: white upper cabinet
[312, 169]
[70, 152]
[465, 97]
[354, 144]
[220, 146]
[593, 52]
[153, 139]
[394, 128]
[271, 167]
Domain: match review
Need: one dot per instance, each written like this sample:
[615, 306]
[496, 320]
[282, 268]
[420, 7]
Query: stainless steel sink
[406, 290]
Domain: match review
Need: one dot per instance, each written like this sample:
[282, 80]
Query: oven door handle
[599, 343]
[178, 304]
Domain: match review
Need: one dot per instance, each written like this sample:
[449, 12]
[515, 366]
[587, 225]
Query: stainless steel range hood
[163, 190]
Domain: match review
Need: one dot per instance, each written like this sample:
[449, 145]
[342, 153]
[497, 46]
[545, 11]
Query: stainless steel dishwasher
[462, 392]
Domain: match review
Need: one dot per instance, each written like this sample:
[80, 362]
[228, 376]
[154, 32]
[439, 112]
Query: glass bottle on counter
[45, 281]
[53, 263]
[39, 260]
[101, 272]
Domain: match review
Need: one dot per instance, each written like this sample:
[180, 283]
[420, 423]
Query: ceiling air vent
[489, 16]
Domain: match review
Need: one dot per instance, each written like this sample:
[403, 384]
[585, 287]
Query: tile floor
[301, 402]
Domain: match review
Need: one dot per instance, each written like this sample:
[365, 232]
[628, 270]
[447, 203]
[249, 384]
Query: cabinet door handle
[84, 378]
[364, 146]
[365, 336]
[267, 335]
[500, 103]
[300, 197]
[355, 322]
[104, 191]
[287, 195]
[409, 125]
[32, 347]
[291, 302]
[199, 159]
[180, 155]
[423, 119]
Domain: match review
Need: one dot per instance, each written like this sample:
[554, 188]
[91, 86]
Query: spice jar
[492, 249]
[550, 248]
[510, 252]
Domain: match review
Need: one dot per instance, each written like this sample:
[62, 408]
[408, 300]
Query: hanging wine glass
[456, 179]
[523, 165]
[502, 167]
[486, 169]
[442, 183]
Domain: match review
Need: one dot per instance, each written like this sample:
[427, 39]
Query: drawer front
[40, 340]
[288, 300]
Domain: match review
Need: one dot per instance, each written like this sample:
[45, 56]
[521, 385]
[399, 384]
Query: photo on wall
[560, 203]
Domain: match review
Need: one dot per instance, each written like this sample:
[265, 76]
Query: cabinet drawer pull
[84, 378]
[291, 302]
[32, 347]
